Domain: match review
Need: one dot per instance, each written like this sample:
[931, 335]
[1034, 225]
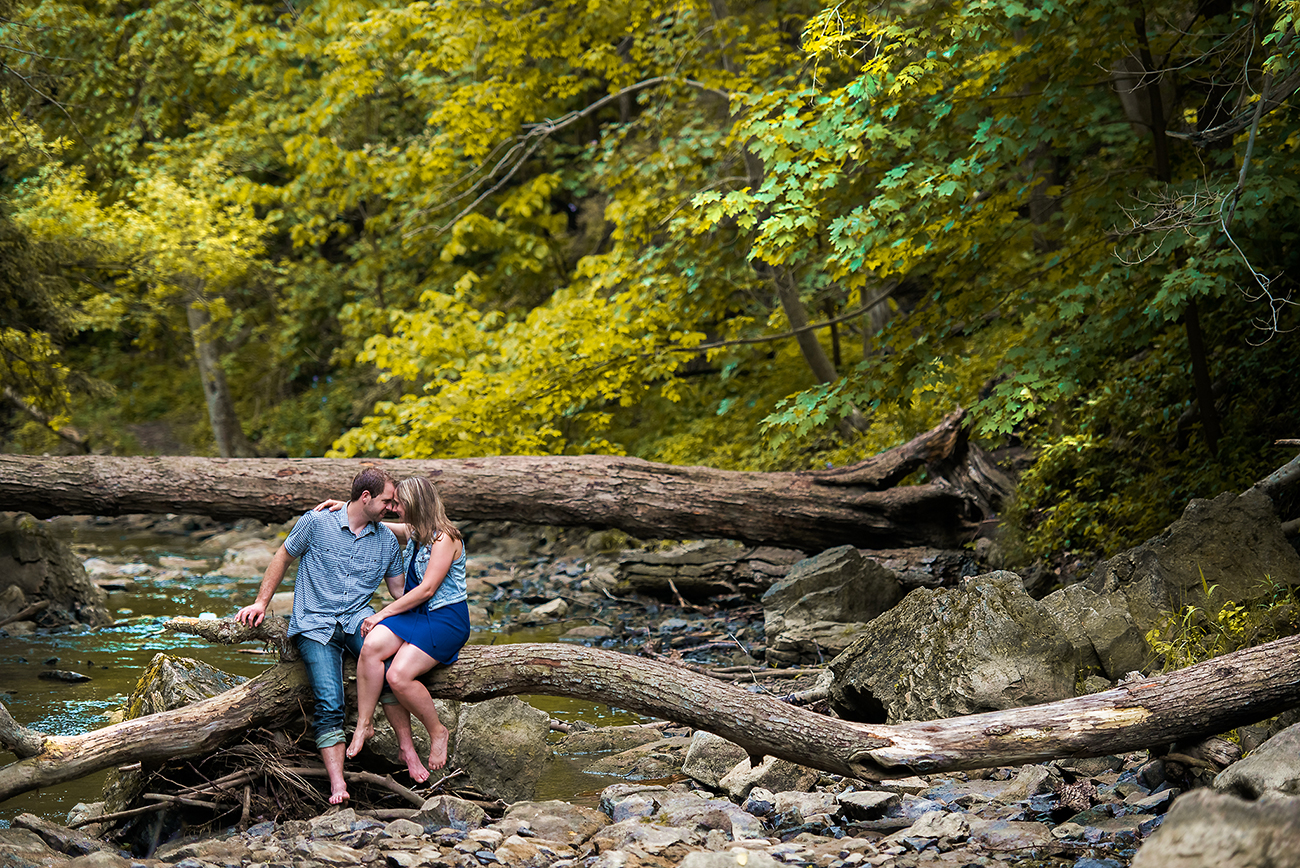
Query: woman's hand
[369, 624]
[331, 505]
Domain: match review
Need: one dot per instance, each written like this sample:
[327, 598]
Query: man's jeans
[325, 669]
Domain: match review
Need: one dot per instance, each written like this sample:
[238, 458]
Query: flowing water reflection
[114, 656]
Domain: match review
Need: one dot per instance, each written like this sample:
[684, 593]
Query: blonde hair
[423, 511]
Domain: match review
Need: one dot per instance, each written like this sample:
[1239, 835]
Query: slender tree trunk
[226, 430]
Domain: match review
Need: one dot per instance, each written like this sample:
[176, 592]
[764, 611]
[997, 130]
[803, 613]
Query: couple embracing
[346, 549]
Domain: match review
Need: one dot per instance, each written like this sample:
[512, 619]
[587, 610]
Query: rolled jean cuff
[387, 698]
[330, 738]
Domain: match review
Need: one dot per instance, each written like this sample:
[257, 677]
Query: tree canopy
[750, 235]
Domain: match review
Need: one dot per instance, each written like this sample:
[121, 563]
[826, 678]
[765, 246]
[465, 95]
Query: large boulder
[38, 567]
[984, 645]
[1205, 829]
[501, 744]
[1105, 637]
[824, 603]
[1228, 548]
[167, 683]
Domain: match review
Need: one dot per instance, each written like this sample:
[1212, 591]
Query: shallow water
[114, 657]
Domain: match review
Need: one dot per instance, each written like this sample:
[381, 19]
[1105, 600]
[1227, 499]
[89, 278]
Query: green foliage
[1194, 634]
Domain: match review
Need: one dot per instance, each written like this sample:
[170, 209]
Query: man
[344, 555]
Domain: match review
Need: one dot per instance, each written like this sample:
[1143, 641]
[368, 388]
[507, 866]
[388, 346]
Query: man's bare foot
[359, 741]
[438, 748]
[418, 772]
[339, 796]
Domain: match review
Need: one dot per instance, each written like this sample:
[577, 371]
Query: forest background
[751, 235]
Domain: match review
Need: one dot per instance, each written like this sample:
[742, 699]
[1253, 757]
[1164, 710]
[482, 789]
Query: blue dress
[440, 627]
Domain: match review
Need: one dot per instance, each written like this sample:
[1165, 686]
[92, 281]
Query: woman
[421, 629]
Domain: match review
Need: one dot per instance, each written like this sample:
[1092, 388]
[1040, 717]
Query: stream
[114, 656]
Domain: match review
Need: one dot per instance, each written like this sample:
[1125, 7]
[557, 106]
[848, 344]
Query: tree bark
[1204, 699]
[806, 510]
[226, 430]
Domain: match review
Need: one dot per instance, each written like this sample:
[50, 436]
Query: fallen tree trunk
[1205, 699]
[862, 505]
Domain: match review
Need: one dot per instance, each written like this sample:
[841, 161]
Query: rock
[403, 828]
[868, 804]
[60, 838]
[1004, 836]
[823, 604]
[587, 633]
[940, 825]
[1105, 637]
[167, 683]
[531, 853]
[807, 804]
[735, 858]
[1228, 544]
[39, 567]
[607, 738]
[449, 812]
[63, 675]
[1031, 780]
[501, 744]
[100, 859]
[1273, 769]
[23, 847]
[552, 611]
[760, 802]
[1205, 829]
[657, 759]
[711, 757]
[246, 559]
[777, 775]
[559, 821]
[705, 567]
[690, 811]
[982, 646]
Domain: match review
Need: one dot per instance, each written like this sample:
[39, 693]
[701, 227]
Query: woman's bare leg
[400, 719]
[380, 644]
[408, 664]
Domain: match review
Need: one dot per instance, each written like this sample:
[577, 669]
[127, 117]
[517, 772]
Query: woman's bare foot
[438, 748]
[359, 737]
[418, 772]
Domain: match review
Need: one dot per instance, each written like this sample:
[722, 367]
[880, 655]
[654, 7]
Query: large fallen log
[1205, 699]
[862, 505]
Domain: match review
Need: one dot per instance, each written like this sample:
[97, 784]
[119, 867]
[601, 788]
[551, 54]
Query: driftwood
[861, 505]
[1204, 699]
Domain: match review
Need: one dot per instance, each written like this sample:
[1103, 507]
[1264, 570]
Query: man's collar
[344, 524]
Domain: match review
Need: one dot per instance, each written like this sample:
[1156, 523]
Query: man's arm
[396, 584]
[253, 614]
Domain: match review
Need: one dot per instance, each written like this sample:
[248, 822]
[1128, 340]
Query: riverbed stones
[450, 812]
[42, 568]
[823, 603]
[555, 820]
[656, 759]
[984, 645]
[246, 559]
[774, 774]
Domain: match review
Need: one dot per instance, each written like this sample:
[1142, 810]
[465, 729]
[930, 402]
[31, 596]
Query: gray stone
[710, 757]
[985, 645]
[777, 775]
[402, 828]
[734, 858]
[38, 567]
[868, 804]
[807, 804]
[614, 797]
[1274, 768]
[689, 811]
[559, 821]
[449, 812]
[607, 738]
[658, 759]
[23, 847]
[1004, 836]
[936, 824]
[760, 802]
[823, 603]
[99, 859]
[501, 744]
[647, 836]
[1104, 636]
[1228, 544]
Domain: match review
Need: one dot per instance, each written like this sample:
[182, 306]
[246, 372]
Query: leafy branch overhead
[702, 233]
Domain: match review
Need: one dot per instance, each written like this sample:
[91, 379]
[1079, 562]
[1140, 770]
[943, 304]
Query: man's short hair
[373, 480]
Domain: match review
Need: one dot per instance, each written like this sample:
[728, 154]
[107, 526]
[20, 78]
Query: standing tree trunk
[226, 430]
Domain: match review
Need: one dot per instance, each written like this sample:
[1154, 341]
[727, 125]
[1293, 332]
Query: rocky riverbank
[693, 799]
